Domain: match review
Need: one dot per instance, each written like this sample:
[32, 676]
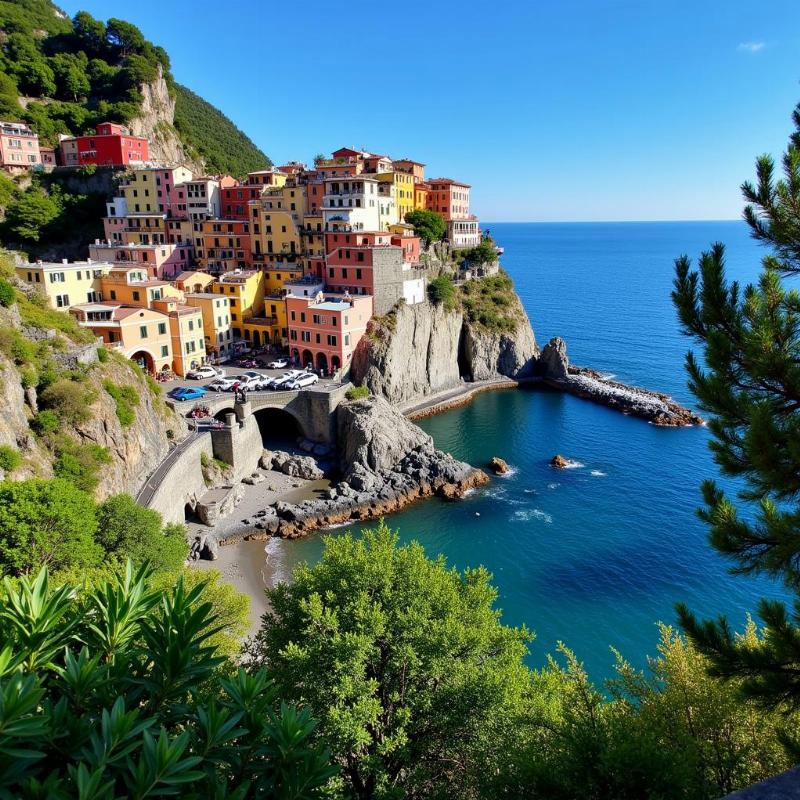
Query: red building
[110, 145]
[234, 200]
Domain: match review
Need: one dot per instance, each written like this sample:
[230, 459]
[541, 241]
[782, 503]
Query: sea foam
[531, 513]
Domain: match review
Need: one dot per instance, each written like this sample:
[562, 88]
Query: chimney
[64, 261]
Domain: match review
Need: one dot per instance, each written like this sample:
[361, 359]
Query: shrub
[102, 701]
[102, 355]
[441, 291]
[10, 458]
[356, 392]
[71, 401]
[45, 422]
[16, 347]
[80, 463]
[34, 312]
[126, 398]
[7, 294]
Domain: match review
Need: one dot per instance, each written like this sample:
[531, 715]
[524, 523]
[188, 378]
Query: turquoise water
[592, 556]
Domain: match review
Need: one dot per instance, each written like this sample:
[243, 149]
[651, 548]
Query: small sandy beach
[247, 565]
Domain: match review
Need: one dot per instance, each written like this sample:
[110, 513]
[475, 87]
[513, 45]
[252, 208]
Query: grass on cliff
[491, 303]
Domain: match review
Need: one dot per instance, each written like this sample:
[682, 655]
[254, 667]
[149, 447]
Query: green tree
[124, 36]
[117, 693]
[429, 225]
[750, 385]
[27, 219]
[89, 34]
[414, 679]
[46, 522]
[70, 75]
[127, 530]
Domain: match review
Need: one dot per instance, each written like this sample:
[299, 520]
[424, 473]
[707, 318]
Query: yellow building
[404, 192]
[146, 228]
[270, 327]
[186, 331]
[65, 284]
[216, 311]
[194, 281]
[245, 292]
[277, 220]
[276, 275]
[421, 191]
[132, 287]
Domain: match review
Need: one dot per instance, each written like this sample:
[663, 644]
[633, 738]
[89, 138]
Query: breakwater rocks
[386, 463]
[655, 407]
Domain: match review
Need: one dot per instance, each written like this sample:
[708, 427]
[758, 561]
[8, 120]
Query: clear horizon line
[601, 221]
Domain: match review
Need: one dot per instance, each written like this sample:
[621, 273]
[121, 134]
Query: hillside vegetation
[65, 76]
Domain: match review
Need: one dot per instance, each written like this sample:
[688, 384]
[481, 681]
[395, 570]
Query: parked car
[279, 382]
[250, 381]
[301, 381]
[246, 362]
[206, 371]
[187, 393]
[223, 384]
[278, 363]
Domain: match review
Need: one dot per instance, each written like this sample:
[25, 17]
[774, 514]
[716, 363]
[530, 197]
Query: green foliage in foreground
[491, 303]
[213, 137]
[126, 398]
[118, 694]
[750, 385]
[53, 523]
[422, 692]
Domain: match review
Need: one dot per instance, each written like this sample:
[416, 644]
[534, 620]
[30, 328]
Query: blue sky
[558, 110]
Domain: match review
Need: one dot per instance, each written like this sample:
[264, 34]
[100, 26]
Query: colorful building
[403, 184]
[66, 284]
[110, 145]
[131, 286]
[162, 261]
[19, 147]
[141, 334]
[216, 312]
[193, 281]
[245, 291]
[324, 330]
[234, 200]
[186, 330]
[222, 245]
[451, 199]
[351, 203]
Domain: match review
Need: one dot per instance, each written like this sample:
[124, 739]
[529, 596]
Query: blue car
[188, 393]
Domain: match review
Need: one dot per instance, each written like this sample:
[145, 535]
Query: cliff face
[422, 349]
[156, 123]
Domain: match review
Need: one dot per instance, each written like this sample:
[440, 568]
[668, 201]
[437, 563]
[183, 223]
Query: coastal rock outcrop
[559, 462]
[387, 462]
[293, 465]
[658, 408]
[418, 350]
[498, 465]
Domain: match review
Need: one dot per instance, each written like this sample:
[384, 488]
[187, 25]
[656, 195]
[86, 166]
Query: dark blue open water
[592, 556]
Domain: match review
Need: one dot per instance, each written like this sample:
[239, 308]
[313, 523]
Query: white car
[301, 381]
[250, 381]
[206, 371]
[278, 363]
[279, 383]
[223, 384]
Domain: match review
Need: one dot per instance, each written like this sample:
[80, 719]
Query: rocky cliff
[419, 350]
[156, 121]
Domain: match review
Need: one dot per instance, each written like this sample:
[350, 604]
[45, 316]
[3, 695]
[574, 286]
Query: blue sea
[596, 555]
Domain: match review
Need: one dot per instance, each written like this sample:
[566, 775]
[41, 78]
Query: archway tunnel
[279, 428]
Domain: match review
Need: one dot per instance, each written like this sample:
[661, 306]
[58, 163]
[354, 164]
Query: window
[305, 336]
[317, 319]
[162, 328]
[164, 350]
[317, 338]
[347, 338]
[358, 272]
[143, 331]
[191, 324]
[344, 273]
[136, 295]
[331, 340]
[113, 294]
[293, 316]
[302, 316]
[293, 334]
[62, 300]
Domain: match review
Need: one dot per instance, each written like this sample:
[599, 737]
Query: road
[145, 495]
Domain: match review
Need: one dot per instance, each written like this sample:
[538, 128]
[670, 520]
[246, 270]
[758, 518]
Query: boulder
[498, 466]
[209, 549]
[558, 461]
[553, 362]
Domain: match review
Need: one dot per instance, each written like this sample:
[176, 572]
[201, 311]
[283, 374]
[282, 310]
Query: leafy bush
[45, 422]
[356, 392]
[102, 355]
[36, 313]
[7, 294]
[126, 399]
[10, 458]
[100, 700]
[71, 401]
[441, 291]
[80, 463]
[46, 522]
[16, 347]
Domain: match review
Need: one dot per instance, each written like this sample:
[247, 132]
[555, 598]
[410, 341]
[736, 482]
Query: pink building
[324, 330]
[163, 261]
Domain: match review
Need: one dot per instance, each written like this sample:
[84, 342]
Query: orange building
[223, 245]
